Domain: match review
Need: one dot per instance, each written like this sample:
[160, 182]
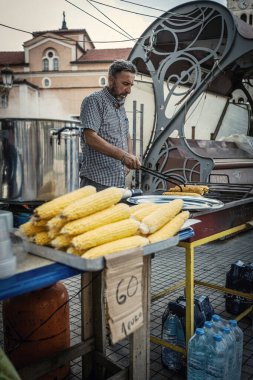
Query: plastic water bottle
[239, 348]
[209, 330]
[217, 359]
[230, 340]
[196, 358]
[218, 323]
[170, 358]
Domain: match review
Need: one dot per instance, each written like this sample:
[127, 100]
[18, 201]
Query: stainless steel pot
[39, 159]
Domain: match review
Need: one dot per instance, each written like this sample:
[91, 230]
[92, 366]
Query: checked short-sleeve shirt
[102, 113]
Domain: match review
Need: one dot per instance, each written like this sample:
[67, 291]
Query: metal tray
[190, 203]
[98, 264]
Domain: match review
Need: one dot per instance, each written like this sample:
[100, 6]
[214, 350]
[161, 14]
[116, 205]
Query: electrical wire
[126, 33]
[144, 6]
[74, 5]
[67, 38]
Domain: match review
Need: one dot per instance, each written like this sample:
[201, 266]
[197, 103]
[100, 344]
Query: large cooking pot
[39, 159]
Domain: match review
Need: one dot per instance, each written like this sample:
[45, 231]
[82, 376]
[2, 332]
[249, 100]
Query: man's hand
[130, 161]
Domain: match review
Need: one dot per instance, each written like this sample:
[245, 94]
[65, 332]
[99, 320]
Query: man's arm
[100, 145]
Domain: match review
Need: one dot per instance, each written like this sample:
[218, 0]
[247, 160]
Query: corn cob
[52, 208]
[109, 215]
[144, 211]
[41, 238]
[200, 189]
[135, 208]
[61, 241]
[54, 225]
[116, 246]
[105, 234]
[170, 229]
[91, 204]
[75, 252]
[158, 218]
[182, 193]
[39, 223]
[29, 229]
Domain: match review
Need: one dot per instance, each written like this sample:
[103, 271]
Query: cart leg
[189, 254]
[87, 322]
[140, 340]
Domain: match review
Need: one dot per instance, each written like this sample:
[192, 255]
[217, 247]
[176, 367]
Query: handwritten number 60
[121, 298]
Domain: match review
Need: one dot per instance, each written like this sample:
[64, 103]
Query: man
[106, 142]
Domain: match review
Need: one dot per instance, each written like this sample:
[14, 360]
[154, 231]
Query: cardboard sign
[123, 280]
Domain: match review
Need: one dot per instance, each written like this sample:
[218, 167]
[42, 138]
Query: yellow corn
[55, 223]
[61, 241]
[144, 211]
[135, 208]
[29, 229]
[158, 218]
[182, 193]
[116, 246]
[107, 233]
[39, 223]
[170, 229]
[109, 215]
[75, 252]
[200, 189]
[52, 208]
[91, 204]
[41, 238]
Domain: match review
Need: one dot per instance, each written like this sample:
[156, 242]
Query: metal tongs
[169, 178]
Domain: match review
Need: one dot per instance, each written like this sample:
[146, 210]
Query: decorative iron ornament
[183, 51]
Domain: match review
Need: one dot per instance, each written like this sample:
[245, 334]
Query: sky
[41, 15]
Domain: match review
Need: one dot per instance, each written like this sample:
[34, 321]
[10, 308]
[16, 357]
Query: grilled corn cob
[91, 204]
[158, 218]
[52, 208]
[107, 233]
[182, 193]
[109, 215]
[116, 246]
[200, 189]
[170, 229]
[41, 238]
[29, 229]
[61, 241]
[144, 211]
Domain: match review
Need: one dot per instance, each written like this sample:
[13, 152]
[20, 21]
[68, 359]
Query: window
[45, 64]
[46, 82]
[50, 61]
[244, 17]
[102, 81]
[4, 101]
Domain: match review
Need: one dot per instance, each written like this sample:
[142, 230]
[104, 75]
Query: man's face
[120, 86]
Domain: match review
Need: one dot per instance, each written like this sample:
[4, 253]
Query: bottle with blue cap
[209, 330]
[197, 356]
[170, 358]
[238, 334]
[230, 340]
[217, 359]
[218, 323]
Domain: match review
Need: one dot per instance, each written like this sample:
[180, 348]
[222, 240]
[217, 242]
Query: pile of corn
[188, 190]
[92, 224]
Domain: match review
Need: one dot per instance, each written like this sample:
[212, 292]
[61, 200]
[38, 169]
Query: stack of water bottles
[215, 351]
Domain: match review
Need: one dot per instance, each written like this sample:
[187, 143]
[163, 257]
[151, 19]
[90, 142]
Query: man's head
[121, 77]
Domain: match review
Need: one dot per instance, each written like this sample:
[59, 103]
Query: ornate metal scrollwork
[183, 51]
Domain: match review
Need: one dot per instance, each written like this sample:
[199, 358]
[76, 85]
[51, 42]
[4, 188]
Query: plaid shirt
[102, 113]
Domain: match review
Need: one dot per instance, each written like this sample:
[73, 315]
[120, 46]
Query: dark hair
[121, 65]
